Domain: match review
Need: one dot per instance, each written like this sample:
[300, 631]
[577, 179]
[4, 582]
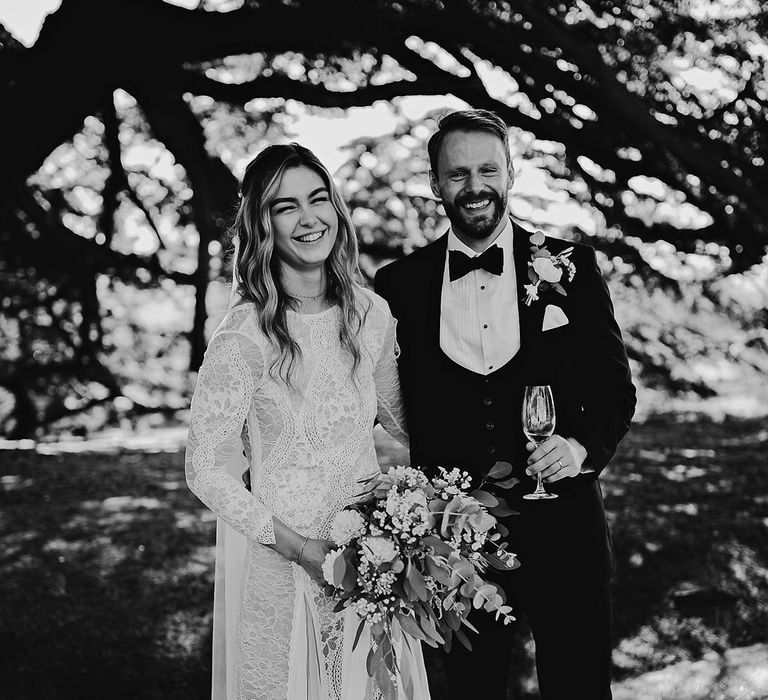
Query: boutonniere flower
[547, 271]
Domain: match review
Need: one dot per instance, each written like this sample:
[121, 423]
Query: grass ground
[106, 561]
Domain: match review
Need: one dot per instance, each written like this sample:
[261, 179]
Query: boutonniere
[546, 271]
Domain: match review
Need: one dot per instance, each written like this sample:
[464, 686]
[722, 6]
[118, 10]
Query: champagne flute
[538, 426]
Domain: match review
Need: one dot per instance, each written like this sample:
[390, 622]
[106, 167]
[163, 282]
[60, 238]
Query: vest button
[490, 425]
[491, 450]
[487, 401]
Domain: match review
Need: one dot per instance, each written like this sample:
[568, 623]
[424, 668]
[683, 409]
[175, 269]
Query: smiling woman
[293, 381]
[305, 225]
[297, 248]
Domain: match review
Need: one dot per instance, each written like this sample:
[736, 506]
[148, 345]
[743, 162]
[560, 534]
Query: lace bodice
[308, 443]
[276, 634]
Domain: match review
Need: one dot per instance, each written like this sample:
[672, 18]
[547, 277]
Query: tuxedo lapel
[531, 317]
[432, 279]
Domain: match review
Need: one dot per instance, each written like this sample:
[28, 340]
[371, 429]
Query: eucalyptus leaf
[437, 572]
[428, 626]
[508, 483]
[414, 583]
[371, 660]
[500, 470]
[410, 626]
[487, 499]
[360, 629]
[441, 547]
[448, 642]
[349, 578]
[467, 623]
[502, 510]
[462, 637]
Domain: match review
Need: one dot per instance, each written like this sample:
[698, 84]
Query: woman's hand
[313, 556]
[307, 553]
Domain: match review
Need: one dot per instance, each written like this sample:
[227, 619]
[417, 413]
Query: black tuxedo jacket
[457, 418]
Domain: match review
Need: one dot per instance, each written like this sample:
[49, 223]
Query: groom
[470, 344]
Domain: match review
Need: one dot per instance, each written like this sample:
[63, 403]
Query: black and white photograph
[364, 350]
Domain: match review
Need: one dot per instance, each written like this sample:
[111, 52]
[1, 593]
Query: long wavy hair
[258, 267]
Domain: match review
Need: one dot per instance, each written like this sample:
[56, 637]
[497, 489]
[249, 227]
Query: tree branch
[286, 88]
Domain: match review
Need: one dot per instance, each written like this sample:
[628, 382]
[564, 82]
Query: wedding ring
[562, 466]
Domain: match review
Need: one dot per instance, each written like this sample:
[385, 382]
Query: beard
[476, 226]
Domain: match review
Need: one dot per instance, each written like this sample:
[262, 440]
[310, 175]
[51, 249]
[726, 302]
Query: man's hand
[556, 458]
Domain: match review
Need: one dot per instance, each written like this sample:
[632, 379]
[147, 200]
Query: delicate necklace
[307, 296]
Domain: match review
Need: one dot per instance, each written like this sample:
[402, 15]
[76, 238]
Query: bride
[292, 382]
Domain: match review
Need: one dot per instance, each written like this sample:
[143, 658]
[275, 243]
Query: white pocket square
[554, 317]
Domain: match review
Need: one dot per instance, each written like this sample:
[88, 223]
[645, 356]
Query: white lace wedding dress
[276, 636]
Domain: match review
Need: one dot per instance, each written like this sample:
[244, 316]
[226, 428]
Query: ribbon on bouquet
[411, 681]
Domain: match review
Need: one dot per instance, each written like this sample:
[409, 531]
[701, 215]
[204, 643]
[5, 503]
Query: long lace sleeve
[391, 410]
[229, 374]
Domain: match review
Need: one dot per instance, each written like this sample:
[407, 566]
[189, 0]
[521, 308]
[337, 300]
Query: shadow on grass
[688, 502]
[105, 578]
[106, 563]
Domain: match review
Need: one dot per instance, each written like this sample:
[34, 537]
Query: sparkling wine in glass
[538, 426]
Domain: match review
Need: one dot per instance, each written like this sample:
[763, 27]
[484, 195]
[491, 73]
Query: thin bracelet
[301, 549]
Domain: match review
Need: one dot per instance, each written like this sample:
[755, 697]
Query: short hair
[467, 120]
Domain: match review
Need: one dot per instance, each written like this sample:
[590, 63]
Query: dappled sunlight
[117, 503]
[102, 555]
[14, 550]
[197, 566]
[11, 482]
[122, 594]
[179, 635]
[688, 514]
[121, 554]
[683, 472]
[189, 520]
[689, 453]
[109, 441]
[638, 128]
[658, 456]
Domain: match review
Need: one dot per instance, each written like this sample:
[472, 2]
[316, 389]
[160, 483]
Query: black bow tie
[459, 264]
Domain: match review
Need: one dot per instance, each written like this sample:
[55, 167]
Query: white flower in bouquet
[481, 521]
[403, 503]
[414, 553]
[345, 526]
[451, 483]
[413, 478]
[328, 564]
[379, 550]
[405, 514]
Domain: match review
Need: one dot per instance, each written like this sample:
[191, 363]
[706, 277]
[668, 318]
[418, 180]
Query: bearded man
[483, 311]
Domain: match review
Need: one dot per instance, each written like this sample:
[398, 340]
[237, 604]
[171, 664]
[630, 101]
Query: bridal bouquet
[414, 549]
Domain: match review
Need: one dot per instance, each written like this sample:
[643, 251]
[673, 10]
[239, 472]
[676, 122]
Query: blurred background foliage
[638, 127]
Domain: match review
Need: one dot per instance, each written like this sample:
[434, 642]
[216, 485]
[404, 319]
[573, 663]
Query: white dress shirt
[479, 317]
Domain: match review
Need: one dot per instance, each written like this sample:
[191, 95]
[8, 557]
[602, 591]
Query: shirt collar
[503, 240]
